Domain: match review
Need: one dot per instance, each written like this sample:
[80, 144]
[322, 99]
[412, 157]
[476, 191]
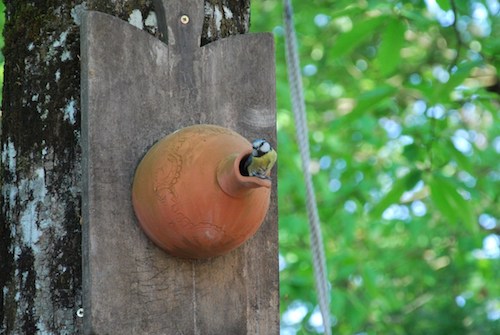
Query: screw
[184, 19]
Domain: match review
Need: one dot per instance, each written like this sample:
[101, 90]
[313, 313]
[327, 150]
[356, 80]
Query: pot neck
[232, 182]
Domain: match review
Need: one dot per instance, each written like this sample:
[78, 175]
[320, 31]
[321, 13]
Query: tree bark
[40, 222]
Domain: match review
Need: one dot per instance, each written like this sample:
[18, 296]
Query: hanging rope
[299, 111]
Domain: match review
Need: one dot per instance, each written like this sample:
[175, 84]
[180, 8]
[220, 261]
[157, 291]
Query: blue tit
[261, 161]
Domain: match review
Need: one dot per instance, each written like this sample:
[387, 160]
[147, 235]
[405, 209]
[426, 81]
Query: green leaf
[393, 39]
[463, 7]
[450, 203]
[412, 152]
[350, 11]
[463, 161]
[400, 186]
[444, 4]
[462, 72]
[456, 78]
[360, 32]
[491, 46]
[367, 101]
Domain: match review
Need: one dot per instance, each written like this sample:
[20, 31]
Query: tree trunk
[40, 227]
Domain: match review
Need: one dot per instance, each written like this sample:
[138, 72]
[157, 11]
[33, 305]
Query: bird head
[260, 147]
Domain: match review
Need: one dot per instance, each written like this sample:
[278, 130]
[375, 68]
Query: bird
[262, 159]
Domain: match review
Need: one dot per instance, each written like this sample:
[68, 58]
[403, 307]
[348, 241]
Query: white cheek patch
[265, 147]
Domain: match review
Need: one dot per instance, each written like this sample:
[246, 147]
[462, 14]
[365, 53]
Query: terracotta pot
[190, 197]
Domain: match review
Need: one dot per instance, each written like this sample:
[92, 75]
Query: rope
[299, 111]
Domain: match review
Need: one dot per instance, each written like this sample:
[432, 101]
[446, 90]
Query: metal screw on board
[184, 19]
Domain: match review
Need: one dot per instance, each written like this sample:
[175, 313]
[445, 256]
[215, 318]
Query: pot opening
[243, 160]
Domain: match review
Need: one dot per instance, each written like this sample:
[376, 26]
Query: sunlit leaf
[350, 11]
[492, 46]
[444, 4]
[389, 56]
[450, 202]
[371, 98]
[360, 32]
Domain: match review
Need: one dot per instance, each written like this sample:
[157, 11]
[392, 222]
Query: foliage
[403, 112]
[405, 133]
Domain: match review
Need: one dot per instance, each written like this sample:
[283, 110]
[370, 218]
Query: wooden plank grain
[135, 90]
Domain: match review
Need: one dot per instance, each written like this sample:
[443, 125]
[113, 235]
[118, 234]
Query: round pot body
[190, 197]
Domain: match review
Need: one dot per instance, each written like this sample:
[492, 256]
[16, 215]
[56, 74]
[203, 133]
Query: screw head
[184, 19]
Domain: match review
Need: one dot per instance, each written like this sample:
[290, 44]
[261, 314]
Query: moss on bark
[40, 205]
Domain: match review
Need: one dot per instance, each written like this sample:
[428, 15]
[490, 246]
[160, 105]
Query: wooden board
[135, 90]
